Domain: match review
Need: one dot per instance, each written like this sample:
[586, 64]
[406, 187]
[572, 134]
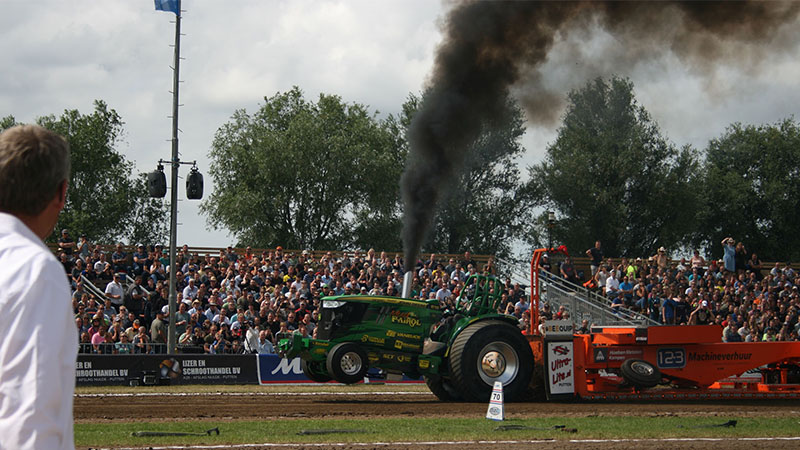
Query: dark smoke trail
[492, 47]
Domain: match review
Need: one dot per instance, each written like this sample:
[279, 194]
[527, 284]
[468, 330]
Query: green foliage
[301, 174]
[610, 175]
[484, 209]
[379, 223]
[7, 122]
[104, 201]
[751, 187]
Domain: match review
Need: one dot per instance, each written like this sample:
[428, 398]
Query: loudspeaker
[157, 183]
[194, 185]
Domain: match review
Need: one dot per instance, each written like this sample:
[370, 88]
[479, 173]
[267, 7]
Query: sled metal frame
[694, 364]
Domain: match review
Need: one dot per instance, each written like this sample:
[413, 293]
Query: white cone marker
[496, 411]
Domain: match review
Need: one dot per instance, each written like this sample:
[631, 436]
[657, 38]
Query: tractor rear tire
[441, 388]
[347, 363]
[640, 373]
[487, 352]
[315, 371]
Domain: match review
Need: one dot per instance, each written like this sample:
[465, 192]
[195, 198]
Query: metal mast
[173, 219]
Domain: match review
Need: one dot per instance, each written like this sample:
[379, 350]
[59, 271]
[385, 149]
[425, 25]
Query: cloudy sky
[61, 55]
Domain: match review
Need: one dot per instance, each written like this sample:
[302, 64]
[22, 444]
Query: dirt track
[273, 405]
[233, 406]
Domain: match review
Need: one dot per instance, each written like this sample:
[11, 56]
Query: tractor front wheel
[487, 352]
[315, 371]
[441, 388]
[347, 363]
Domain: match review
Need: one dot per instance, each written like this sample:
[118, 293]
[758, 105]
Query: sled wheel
[640, 373]
[487, 352]
[347, 363]
[315, 371]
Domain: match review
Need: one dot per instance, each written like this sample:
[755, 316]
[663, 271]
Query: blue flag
[169, 5]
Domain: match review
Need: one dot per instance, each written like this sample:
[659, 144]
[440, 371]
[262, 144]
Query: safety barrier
[138, 370]
[584, 304]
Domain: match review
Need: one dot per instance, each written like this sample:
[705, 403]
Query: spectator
[654, 306]
[740, 258]
[626, 288]
[158, 332]
[114, 290]
[190, 291]
[698, 262]
[66, 244]
[600, 278]
[181, 319]
[661, 259]
[668, 310]
[701, 315]
[443, 293]
[140, 260]
[568, 271]
[124, 346]
[141, 343]
[119, 259]
[729, 255]
[98, 339]
[135, 297]
[467, 261]
[85, 345]
[265, 346]
[83, 248]
[612, 286]
[754, 266]
[102, 268]
[596, 255]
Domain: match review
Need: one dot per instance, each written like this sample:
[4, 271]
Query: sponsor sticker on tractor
[560, 374]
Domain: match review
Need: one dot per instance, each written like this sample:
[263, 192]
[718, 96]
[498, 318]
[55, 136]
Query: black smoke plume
[493, 48]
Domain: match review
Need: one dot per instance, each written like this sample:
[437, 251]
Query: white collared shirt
[38, 351]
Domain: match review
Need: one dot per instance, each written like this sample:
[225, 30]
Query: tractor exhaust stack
[408, 278]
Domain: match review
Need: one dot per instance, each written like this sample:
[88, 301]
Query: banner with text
[166, 369]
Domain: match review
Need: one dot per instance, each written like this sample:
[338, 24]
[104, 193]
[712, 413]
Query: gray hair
[34, 162]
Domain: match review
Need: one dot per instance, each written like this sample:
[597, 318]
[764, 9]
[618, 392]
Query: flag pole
[173, 217]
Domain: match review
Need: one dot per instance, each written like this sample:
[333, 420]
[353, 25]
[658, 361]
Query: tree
[7, 122]
[104, 201]
[750, 190]
[379, 223]
[611, 175]
[299, 174]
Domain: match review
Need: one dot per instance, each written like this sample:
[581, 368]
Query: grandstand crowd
[751, 302]
[239, 302]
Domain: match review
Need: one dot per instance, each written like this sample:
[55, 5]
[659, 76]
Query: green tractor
[461, 352]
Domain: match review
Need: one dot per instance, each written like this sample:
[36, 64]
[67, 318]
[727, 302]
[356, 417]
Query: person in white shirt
[612, 286]
[265, 346]
[190, 291]
[115, 291]
[443, 293]
[38, 351]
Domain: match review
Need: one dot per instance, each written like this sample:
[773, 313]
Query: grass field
[429, 429]
[624, 422]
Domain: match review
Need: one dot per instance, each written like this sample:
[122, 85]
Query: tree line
[106, 200]
[324, 174]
